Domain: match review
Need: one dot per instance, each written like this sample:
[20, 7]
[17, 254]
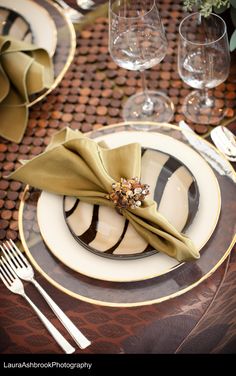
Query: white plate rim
[128, 278]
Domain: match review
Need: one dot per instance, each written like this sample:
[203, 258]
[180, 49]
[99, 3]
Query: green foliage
[205, 7]
[220, 9]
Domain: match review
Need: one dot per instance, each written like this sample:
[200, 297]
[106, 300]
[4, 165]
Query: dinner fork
[14, 284]
[24, 270]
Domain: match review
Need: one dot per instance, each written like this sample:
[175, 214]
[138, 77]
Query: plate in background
[15, 25]
[41, 23]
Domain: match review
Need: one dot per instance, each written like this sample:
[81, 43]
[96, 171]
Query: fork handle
[62, 342]
[75, 333]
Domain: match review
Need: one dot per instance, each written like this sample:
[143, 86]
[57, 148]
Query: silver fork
[14, 284]
[24, 271]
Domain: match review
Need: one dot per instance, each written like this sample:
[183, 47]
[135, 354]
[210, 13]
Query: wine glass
[203, 63]
[137, 42]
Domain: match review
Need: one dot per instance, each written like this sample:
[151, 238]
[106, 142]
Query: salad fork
[24, 270]
[14, 284]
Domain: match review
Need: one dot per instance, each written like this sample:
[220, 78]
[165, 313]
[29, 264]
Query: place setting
[133, 213]
[96, 253]
[45, 54]
[91, 252]
[91, 241]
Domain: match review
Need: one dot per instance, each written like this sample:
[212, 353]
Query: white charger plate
[42, 25]
[64, 247]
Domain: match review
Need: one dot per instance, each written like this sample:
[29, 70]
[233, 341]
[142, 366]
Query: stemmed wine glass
[137, 42]
[203, 63]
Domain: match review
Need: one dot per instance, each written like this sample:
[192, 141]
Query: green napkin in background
[75, 165]
[25, 69]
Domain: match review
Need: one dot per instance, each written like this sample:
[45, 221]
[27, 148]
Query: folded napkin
[75, 165]
[25, 69]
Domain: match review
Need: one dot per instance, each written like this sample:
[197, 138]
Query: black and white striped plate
[15, 25]
[104, 232]
[29, 21]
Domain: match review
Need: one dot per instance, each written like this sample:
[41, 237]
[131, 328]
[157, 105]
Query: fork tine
[6, 272]
[4, 278]
[13, 247]
[11, 252]
[9, 258]
[9, 271]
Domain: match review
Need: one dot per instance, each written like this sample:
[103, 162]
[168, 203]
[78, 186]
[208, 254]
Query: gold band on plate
[136, 304]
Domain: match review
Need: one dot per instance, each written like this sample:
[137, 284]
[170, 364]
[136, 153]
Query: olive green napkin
[25, 69]
[75, 165]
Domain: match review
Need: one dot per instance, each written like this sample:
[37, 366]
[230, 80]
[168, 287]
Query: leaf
[232, 44]
[220, 9]
[233, 3]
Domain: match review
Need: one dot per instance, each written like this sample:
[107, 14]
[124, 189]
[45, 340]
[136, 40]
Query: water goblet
[137, 41]
[203, 63]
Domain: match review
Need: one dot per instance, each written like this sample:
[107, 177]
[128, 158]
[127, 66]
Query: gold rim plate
[58, 237]
[137, 293]
[65, 45]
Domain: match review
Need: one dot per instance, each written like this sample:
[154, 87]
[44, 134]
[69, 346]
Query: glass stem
[148, 105]
[206, 100]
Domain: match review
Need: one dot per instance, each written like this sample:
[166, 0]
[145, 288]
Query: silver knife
[211, 156]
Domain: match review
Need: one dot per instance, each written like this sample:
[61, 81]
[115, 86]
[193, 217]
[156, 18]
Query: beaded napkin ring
[128, 193]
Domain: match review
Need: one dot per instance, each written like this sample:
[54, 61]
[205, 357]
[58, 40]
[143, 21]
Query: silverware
[14, 284]
[73, 14]
[23, 269]
[208, 153]
[225, 141]
[85, 4]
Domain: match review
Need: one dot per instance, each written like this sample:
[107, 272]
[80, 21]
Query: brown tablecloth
[90, 96]
[200, 321]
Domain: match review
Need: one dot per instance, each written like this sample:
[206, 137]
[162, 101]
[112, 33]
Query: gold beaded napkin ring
[128, 193]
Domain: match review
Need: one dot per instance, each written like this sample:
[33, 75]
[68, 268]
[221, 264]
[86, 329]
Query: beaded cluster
[128, 193]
